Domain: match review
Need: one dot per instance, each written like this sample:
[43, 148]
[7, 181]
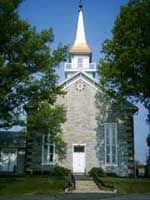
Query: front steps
[85, 184]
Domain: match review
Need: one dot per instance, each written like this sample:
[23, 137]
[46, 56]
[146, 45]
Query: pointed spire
[80, 44]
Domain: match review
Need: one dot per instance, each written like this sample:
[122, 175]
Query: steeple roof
[80, 45]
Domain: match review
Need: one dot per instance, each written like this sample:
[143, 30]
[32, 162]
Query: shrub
[111, 174]
[60, 171]
[97, 171]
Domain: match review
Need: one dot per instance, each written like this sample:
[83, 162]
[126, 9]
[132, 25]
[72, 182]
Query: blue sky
[99, 17]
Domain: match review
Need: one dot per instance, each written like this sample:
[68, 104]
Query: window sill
[111, 165]
[48, 163]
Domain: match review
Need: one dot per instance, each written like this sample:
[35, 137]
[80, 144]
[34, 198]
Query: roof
[80, 48]
[81, 75]
[11, 139]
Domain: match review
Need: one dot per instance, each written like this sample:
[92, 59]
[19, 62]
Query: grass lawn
[31, 185]
[129, 185]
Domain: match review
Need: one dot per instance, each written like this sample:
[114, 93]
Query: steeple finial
[80, 5]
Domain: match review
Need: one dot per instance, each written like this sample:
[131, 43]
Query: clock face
[80, 85]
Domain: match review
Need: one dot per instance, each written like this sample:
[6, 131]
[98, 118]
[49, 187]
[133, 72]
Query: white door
[8, 160]
[78, 159]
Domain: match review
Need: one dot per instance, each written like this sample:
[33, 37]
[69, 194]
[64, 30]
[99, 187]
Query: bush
[60, 171]
[111, 174]
[97, 171]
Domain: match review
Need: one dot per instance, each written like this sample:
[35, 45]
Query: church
[99, 132]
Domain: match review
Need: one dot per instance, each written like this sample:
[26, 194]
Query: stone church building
[98, 131]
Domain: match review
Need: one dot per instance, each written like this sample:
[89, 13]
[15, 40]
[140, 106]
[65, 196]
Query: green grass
[31, 185]
[129, 185]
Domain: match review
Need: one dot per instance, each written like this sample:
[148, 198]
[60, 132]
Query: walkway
[86, 184]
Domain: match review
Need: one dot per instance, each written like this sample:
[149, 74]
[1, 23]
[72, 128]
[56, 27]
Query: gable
[81, 76]
[93, 83]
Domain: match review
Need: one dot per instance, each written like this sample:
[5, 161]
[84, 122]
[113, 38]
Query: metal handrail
[72, 181]
[102, 184]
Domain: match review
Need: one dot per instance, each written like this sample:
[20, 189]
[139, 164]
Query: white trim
[81, 74]
[80, 78]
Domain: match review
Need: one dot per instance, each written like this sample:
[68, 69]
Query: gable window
[110, 143]
[48, 150]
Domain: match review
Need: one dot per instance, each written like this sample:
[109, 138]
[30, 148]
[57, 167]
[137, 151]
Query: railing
[102, 185]
[80, 66]
[71, 183]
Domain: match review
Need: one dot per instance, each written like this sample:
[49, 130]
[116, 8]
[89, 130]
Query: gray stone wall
[87, 111]
[81, 124]
[121, 114]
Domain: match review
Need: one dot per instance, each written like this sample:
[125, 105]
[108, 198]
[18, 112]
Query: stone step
[82, 177]
[87, 186]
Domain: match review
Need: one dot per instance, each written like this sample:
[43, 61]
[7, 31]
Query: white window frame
[49, 144]
[108, 126]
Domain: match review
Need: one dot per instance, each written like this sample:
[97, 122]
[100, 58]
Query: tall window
[48, 149]
[110, 143]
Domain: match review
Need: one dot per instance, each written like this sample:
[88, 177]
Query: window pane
[107, 141]
[45, 156]
[51, 158]
[108, 150]
[51, 148]
[107, 132]
[114, 136]
[108, 159]
[78, 148]
[114, 159]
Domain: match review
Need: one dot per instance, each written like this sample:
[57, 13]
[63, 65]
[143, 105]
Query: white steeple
[80, 44]
[80, 36]
[80, 55]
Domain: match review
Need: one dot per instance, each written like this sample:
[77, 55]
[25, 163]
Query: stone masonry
[87, 111]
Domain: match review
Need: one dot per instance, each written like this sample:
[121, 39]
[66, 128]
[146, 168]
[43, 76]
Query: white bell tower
[80, 55]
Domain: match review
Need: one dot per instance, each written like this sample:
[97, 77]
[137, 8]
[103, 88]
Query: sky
[99, 18]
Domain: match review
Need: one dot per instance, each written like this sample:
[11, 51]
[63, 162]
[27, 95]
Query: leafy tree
[125, 69]
[28, 81]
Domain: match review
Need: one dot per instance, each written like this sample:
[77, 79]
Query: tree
[125, 69]
[28, 81]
